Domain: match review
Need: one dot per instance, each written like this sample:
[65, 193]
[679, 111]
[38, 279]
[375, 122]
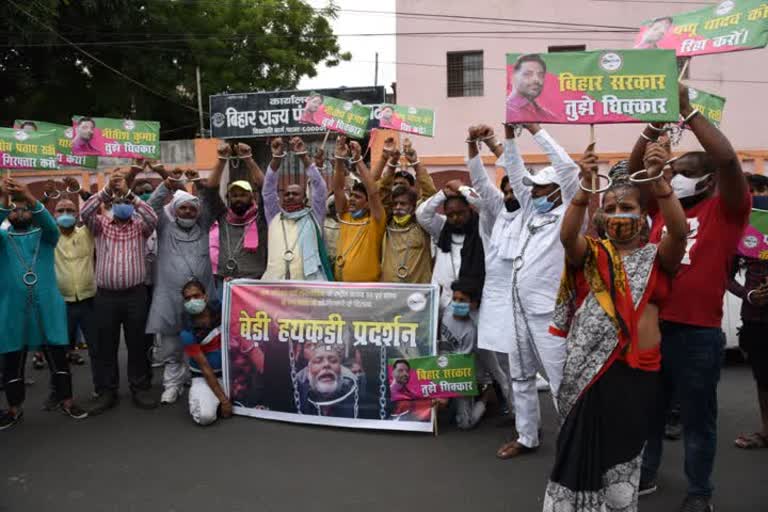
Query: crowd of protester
[600, 307]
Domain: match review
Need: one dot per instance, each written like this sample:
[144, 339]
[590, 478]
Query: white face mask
[686, 187]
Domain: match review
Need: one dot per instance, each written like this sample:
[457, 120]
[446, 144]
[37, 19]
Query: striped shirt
[120, 246]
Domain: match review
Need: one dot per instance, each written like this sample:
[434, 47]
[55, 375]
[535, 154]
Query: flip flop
[751, 441]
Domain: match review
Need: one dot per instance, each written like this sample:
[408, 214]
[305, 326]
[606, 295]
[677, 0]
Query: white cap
[546, 176]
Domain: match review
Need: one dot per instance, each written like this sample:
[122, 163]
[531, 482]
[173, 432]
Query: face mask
[293, 207]
[145, 196]
[122, 211]
[358, 214]
[194, 306]
[760, 202]
[622, 227]
[460, 309]
[686, 187]
[512, 205]
[239, 208]
[542, 204]
[66, 220]
[185, 223]
[402, 220]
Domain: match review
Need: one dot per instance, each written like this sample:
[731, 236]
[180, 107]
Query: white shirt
[539, 255]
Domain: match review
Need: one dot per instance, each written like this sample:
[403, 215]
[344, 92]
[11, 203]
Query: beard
[20, 223]
[325, 387]
[512, 205]
[240, 208]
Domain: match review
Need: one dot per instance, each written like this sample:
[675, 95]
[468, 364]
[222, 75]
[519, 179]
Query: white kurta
[524, 260]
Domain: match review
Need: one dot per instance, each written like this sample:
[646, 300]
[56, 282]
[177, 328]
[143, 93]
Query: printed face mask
[622, 227]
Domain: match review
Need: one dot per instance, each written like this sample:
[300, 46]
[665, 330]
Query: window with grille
[465, 74]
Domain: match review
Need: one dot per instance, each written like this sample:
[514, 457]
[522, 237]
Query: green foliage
[240, 46]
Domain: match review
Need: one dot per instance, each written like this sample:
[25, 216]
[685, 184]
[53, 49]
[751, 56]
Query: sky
[361, 69]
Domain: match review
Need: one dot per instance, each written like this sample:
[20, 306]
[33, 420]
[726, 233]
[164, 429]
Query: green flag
[710, 105]
[63, 143]
[24, 150]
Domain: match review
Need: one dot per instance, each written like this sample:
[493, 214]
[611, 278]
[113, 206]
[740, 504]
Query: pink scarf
[251, 240]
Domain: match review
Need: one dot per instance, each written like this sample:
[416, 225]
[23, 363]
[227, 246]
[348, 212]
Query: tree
[240, 46]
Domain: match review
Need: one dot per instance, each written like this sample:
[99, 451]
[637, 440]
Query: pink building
[461, 73]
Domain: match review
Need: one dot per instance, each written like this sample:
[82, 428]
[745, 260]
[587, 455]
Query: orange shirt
[358, 250]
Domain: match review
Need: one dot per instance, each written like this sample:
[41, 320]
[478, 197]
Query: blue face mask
[760, 202]
[542, 204]
[66, 220]
[460, 309]
[358, 214]
[122, 211]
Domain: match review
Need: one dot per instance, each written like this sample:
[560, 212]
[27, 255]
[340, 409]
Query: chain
[292, 362]
[675, 133]
[383, 384]
[404, 249]
[357, 399]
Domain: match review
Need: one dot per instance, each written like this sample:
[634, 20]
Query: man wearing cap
[238, 238]
[182, 256]
[517, 316]
[121, 295]
[296, 250]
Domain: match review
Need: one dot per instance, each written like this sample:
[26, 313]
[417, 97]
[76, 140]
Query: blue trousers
[690, 370]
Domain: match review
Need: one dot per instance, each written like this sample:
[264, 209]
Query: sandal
[751, 441]
[38, 362]
[513, 449]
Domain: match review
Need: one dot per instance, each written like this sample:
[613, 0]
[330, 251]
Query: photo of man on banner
[528, 80]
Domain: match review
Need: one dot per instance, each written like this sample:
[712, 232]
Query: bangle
[393, 166]
[356, 161]
[297, 153]
[51, 196]
[690, 116]
[580, 204]
[749, 294]
[414, 164]
[282, 155]
[634, 177]
[338, 157]
[599, 190]
[647, 137]
[470, 141]
[657, 130]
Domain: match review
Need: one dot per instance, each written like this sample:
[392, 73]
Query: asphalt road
[135, 460]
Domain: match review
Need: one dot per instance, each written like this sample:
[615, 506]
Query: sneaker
[102, 402]
[647, 487]
[697, 504]
[144, 399]
[170, 395]
[74, 411]
[9, 420]
[673, 431]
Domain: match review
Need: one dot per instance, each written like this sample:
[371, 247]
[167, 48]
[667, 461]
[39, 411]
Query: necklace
[289, 253]
[30, 276]
[402, 270]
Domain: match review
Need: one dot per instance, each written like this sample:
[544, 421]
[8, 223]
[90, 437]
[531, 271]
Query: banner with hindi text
[63, 143]
[418, 121]
[729, 26]
[311, 352]
[336, 115]
[710, 105]
[24, 150]
[607, 86]
[119, 138]
[443, 376]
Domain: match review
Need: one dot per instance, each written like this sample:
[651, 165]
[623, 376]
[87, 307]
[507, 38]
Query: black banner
[275, 114]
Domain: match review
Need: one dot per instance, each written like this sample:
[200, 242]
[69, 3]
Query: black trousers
[126, 309]
[13, 373]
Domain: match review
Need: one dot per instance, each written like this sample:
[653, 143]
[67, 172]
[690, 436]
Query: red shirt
[696, 296]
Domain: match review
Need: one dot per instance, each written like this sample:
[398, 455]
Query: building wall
[423, 82]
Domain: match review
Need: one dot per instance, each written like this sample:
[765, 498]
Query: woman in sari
[607, 307]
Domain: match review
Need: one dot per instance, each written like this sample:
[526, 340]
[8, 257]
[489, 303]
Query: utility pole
[200, 102]
[376, 71]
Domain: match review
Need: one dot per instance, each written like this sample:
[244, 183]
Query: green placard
[418, 121]
[729, 26]
[118, 138]
[607, 86]
[710, 105]
[336, 115]
[443, 376]
[63, 143]
[24, 150]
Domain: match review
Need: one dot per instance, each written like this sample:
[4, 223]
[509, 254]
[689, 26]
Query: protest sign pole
[592, 146]
[684, 69]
